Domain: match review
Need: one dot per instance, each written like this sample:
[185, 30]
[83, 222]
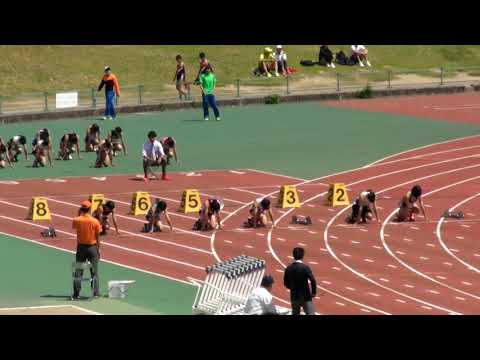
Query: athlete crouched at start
[4, 155]
[258, 213]
[42, 152]
[154, 224]
[69, 143]
[102, 213]
[92, 138]
[209, 216]
[104, 154]
[362, 208]
[407, 208]
[15, 146]
[116, 138]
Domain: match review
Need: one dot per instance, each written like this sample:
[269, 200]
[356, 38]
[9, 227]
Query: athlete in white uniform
[362, 208]
[407, 208]
[258, 213]
[14, 146]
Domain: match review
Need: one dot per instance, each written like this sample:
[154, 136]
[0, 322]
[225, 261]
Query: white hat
[279, 47]
[106, 68]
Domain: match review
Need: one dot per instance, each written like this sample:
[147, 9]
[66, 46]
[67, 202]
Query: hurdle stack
[228, 285]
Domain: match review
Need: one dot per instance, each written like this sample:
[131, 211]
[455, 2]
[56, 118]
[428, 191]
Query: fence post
[94, 99]
[338, 82]
[140, 94]
[389, 79]
[441, 75]
[288, 84]
[238, 87]
[45, 97]
[1, 102]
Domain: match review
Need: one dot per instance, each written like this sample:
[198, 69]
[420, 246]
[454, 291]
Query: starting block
[301, 220]
[337, 195]
[141, 203]
[190, 201]
[39, 210]
[50, 232]
[146, 228]
[96, 200]
[288, 197]
[453, 214]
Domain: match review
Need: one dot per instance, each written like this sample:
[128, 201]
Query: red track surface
[379, 268]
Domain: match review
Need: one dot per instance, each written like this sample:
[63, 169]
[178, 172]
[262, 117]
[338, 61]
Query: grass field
[49, 68]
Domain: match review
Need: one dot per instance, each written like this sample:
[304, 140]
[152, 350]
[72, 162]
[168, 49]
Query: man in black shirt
[296, 278]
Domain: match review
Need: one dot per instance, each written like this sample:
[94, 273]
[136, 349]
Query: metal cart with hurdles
[227, 286]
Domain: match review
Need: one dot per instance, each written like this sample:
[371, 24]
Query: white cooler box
[118, 289]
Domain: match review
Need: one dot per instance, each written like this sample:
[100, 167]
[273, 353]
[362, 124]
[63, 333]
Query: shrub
[273, 99]
[365, 93]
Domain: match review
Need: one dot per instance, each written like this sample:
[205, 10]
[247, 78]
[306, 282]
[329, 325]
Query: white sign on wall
[66, 100]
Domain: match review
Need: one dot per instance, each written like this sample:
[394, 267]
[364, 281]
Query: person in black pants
[296, 278]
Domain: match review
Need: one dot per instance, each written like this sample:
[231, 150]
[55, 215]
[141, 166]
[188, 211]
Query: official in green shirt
[207, 84]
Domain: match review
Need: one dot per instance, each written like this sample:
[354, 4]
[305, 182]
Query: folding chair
[86, 267]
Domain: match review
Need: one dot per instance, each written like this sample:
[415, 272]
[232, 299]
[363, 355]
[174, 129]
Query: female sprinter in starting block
[153, 217]
[362, 208]
[258, 213]
[101, 214]
[408, 209]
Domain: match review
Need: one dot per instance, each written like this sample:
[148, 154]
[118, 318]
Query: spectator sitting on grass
[266, 63]
[360, 54]
[281, 61]
[325, 56]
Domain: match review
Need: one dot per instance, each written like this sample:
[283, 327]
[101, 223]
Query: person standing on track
[88, 246]
[362, 208]
[296, 278]
[112, 90]
[207, 85]
[153, 155]
[407, 209]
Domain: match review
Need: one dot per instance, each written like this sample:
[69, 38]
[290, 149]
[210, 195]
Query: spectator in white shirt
[281, 61]
[260, 301]
[360, 54]
[153, 155]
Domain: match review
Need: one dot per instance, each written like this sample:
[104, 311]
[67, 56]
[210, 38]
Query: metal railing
[330, 80]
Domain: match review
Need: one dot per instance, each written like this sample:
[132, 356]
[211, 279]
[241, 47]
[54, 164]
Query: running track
[379, 268]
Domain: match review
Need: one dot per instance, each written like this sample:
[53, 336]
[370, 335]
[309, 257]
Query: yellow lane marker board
[141, 203]
[337, 195]
[96, 200]
[39, 210]
[288, 197]
[190, 201]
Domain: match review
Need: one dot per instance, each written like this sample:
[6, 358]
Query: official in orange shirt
[112, 89]
[88, 246]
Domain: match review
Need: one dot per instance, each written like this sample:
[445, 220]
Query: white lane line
[374, 294]
[470, 214]
[312, 232]
[460, 237]
[281, 239]
[424, 258]
[331, 210]
[407, 239]
[350, 288]
[447, 263]
[433, 292]
[431, 245]
[122, 231]
[465, 226]
[228, 241]
[365, 310]
[111, 245]
[339, 303]
[280, 271]
[311, 205]
[384, 280]
[454, 250]
[426, 307]
[290, 257]
[281, 175]
[477, 255]
[400, 252]
[409, 286]
[347, 255]
[466, 283]
[387, 235]
[326, 282]
[400, 301]
[322, 221]
[336, 268]
[267, 252]
[333, 237]
[354, 242]
[249, 246]
[414, 228]
[260, 234]
[302, 244]
[313, 262]
[377, 247]
[441, 277]
[324, 250]
[460, 298]
[368, 260]
[364, 230]
[392, 266]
